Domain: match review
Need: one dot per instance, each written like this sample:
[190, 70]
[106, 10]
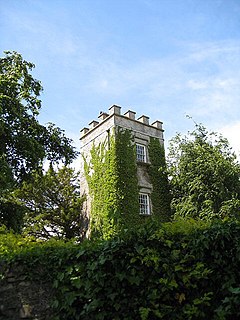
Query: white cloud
[215, 80]
[34, 31]
[232, 133]
[195, 84]
[206, 66]
[204, 51]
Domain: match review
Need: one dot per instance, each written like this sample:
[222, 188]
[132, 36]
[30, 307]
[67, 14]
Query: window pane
[144, 204]
[140, 150]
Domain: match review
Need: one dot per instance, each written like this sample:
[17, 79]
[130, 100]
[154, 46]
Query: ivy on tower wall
[127, 181]
[160, 196]
[113, 186]
[112, 179]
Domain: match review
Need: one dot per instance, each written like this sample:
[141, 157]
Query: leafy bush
[181, 270]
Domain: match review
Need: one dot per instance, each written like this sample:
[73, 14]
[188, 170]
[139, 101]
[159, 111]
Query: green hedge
[180, 270]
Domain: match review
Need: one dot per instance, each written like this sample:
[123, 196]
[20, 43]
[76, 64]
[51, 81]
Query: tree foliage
[24, 142]
[53, 205]
[204, 175]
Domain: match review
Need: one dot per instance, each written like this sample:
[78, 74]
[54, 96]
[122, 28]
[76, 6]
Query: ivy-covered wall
[113, 186]
[112, 179]
[160, 196]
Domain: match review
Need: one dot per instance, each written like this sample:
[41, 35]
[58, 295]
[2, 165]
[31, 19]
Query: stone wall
[23, 298]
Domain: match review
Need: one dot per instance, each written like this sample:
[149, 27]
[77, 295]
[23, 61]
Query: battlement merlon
[114, 118]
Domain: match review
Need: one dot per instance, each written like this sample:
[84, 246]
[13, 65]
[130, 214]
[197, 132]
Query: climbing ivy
[160, 196]
[113, 184]
[127, 181]
[100, 177]
[111, 174]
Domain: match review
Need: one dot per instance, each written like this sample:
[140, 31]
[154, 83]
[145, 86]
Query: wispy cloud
[231, 131]
[210, 50]
[34, 30]
[206, 79]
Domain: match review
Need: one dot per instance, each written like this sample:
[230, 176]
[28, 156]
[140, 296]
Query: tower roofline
[115, 111]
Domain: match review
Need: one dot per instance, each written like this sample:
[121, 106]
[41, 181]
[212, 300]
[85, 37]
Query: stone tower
[142, 131]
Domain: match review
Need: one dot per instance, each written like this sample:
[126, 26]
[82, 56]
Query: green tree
[24, 142]
[204, 175]
[53, 205]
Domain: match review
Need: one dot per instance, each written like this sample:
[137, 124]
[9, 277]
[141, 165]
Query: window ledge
[142, 163]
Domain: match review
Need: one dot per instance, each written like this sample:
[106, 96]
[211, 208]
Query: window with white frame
[141, 152]
[144, 204]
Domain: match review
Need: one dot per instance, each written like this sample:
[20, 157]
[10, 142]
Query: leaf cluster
[155, 273]
[181, 270]
[205, 176]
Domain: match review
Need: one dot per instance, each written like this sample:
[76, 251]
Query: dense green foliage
[160, 196]
[112, 179]
[205, 176]
[24, 142]
[53, 205]
[126, 171]
[181, 270]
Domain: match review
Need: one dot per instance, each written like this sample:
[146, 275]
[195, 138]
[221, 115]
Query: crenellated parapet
[115, 113]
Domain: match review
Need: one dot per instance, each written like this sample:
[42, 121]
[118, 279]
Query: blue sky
[162, 58]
